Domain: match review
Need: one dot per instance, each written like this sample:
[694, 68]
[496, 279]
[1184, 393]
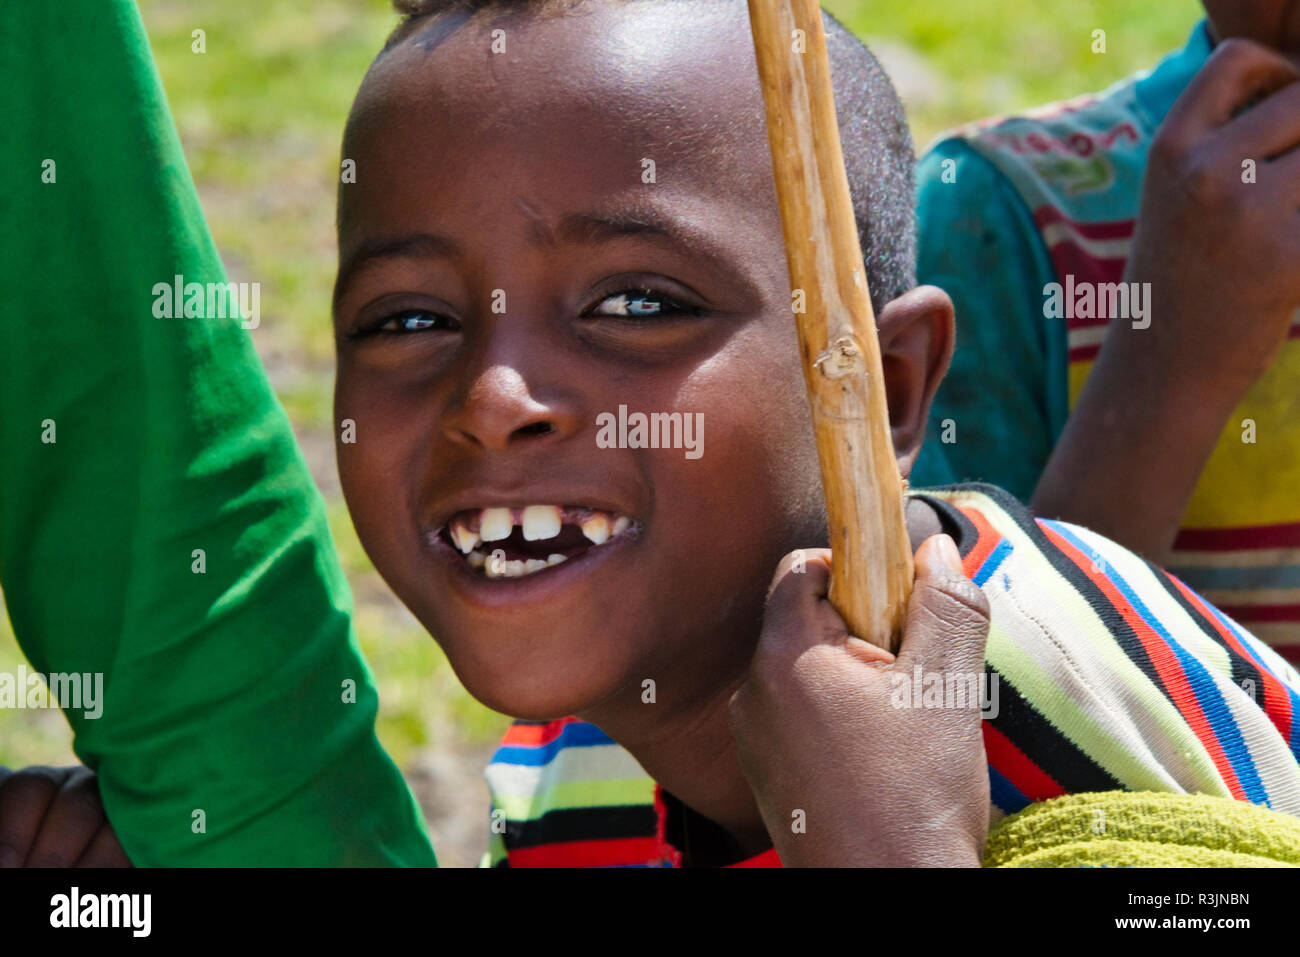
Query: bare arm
[1220, 254]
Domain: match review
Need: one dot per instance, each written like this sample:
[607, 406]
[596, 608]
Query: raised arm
[158, 525]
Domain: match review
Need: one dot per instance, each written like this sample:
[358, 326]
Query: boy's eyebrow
[597, 227]
[416, 246]
[582, 228]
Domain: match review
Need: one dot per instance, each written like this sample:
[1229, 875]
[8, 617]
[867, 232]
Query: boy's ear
[916, 340]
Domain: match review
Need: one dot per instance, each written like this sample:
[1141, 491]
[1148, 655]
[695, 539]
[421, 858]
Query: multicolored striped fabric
[1111, 674]
[1075, 173]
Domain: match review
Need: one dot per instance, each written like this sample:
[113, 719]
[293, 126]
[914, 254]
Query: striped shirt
[1106, 673]
[1011, 207]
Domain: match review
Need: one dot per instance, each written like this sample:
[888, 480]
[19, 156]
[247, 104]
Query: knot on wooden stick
[841, 358]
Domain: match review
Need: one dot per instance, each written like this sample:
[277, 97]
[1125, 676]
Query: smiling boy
[508, 275]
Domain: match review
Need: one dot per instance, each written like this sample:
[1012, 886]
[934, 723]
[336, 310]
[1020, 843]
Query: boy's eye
[640, 304]
[417, 320]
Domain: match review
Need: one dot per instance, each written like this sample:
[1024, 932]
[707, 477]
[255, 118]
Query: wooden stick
[872, 571]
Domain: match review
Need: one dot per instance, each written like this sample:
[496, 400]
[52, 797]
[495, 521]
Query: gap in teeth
[537, 523]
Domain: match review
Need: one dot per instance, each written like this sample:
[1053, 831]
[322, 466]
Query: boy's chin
[534, 691]
[538, 702]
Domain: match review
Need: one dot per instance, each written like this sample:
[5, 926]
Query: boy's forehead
[648, 46]
[612, 85]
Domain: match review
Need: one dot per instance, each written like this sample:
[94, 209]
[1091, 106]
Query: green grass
[261, 113]
[994, 56]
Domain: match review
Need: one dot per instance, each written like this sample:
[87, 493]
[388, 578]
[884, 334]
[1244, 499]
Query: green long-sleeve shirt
[157, 522]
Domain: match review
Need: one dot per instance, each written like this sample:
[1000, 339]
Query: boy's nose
[499, 409]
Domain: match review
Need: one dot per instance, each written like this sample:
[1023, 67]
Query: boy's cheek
[379, 473]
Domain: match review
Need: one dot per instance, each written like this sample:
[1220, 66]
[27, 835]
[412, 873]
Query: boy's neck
[692, 754]
[693, 757]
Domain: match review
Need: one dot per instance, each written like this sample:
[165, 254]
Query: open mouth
[518, 542]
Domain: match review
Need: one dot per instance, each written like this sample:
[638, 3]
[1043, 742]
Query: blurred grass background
[261, 113]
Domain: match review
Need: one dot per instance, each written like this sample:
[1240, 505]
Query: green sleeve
[158, 524]
[1002, 404]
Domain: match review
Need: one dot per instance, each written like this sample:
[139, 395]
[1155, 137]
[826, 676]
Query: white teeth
[465, 539]
[541, 521]
[596, 529]
[496, 524]
[496, 568]
[497, 565]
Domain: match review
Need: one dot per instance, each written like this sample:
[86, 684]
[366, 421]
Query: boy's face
[1275, 23]
[510, 270]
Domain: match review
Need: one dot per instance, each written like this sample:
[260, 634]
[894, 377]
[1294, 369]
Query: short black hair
[878, 152]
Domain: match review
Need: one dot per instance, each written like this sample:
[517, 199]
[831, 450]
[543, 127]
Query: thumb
[947, 622]
[803, 577]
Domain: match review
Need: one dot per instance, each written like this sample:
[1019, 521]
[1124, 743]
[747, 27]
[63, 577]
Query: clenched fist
[846, 771]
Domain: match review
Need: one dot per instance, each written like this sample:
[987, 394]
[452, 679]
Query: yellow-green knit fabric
[1144, 829]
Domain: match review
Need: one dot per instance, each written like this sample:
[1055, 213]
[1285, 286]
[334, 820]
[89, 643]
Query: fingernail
[948, 553]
